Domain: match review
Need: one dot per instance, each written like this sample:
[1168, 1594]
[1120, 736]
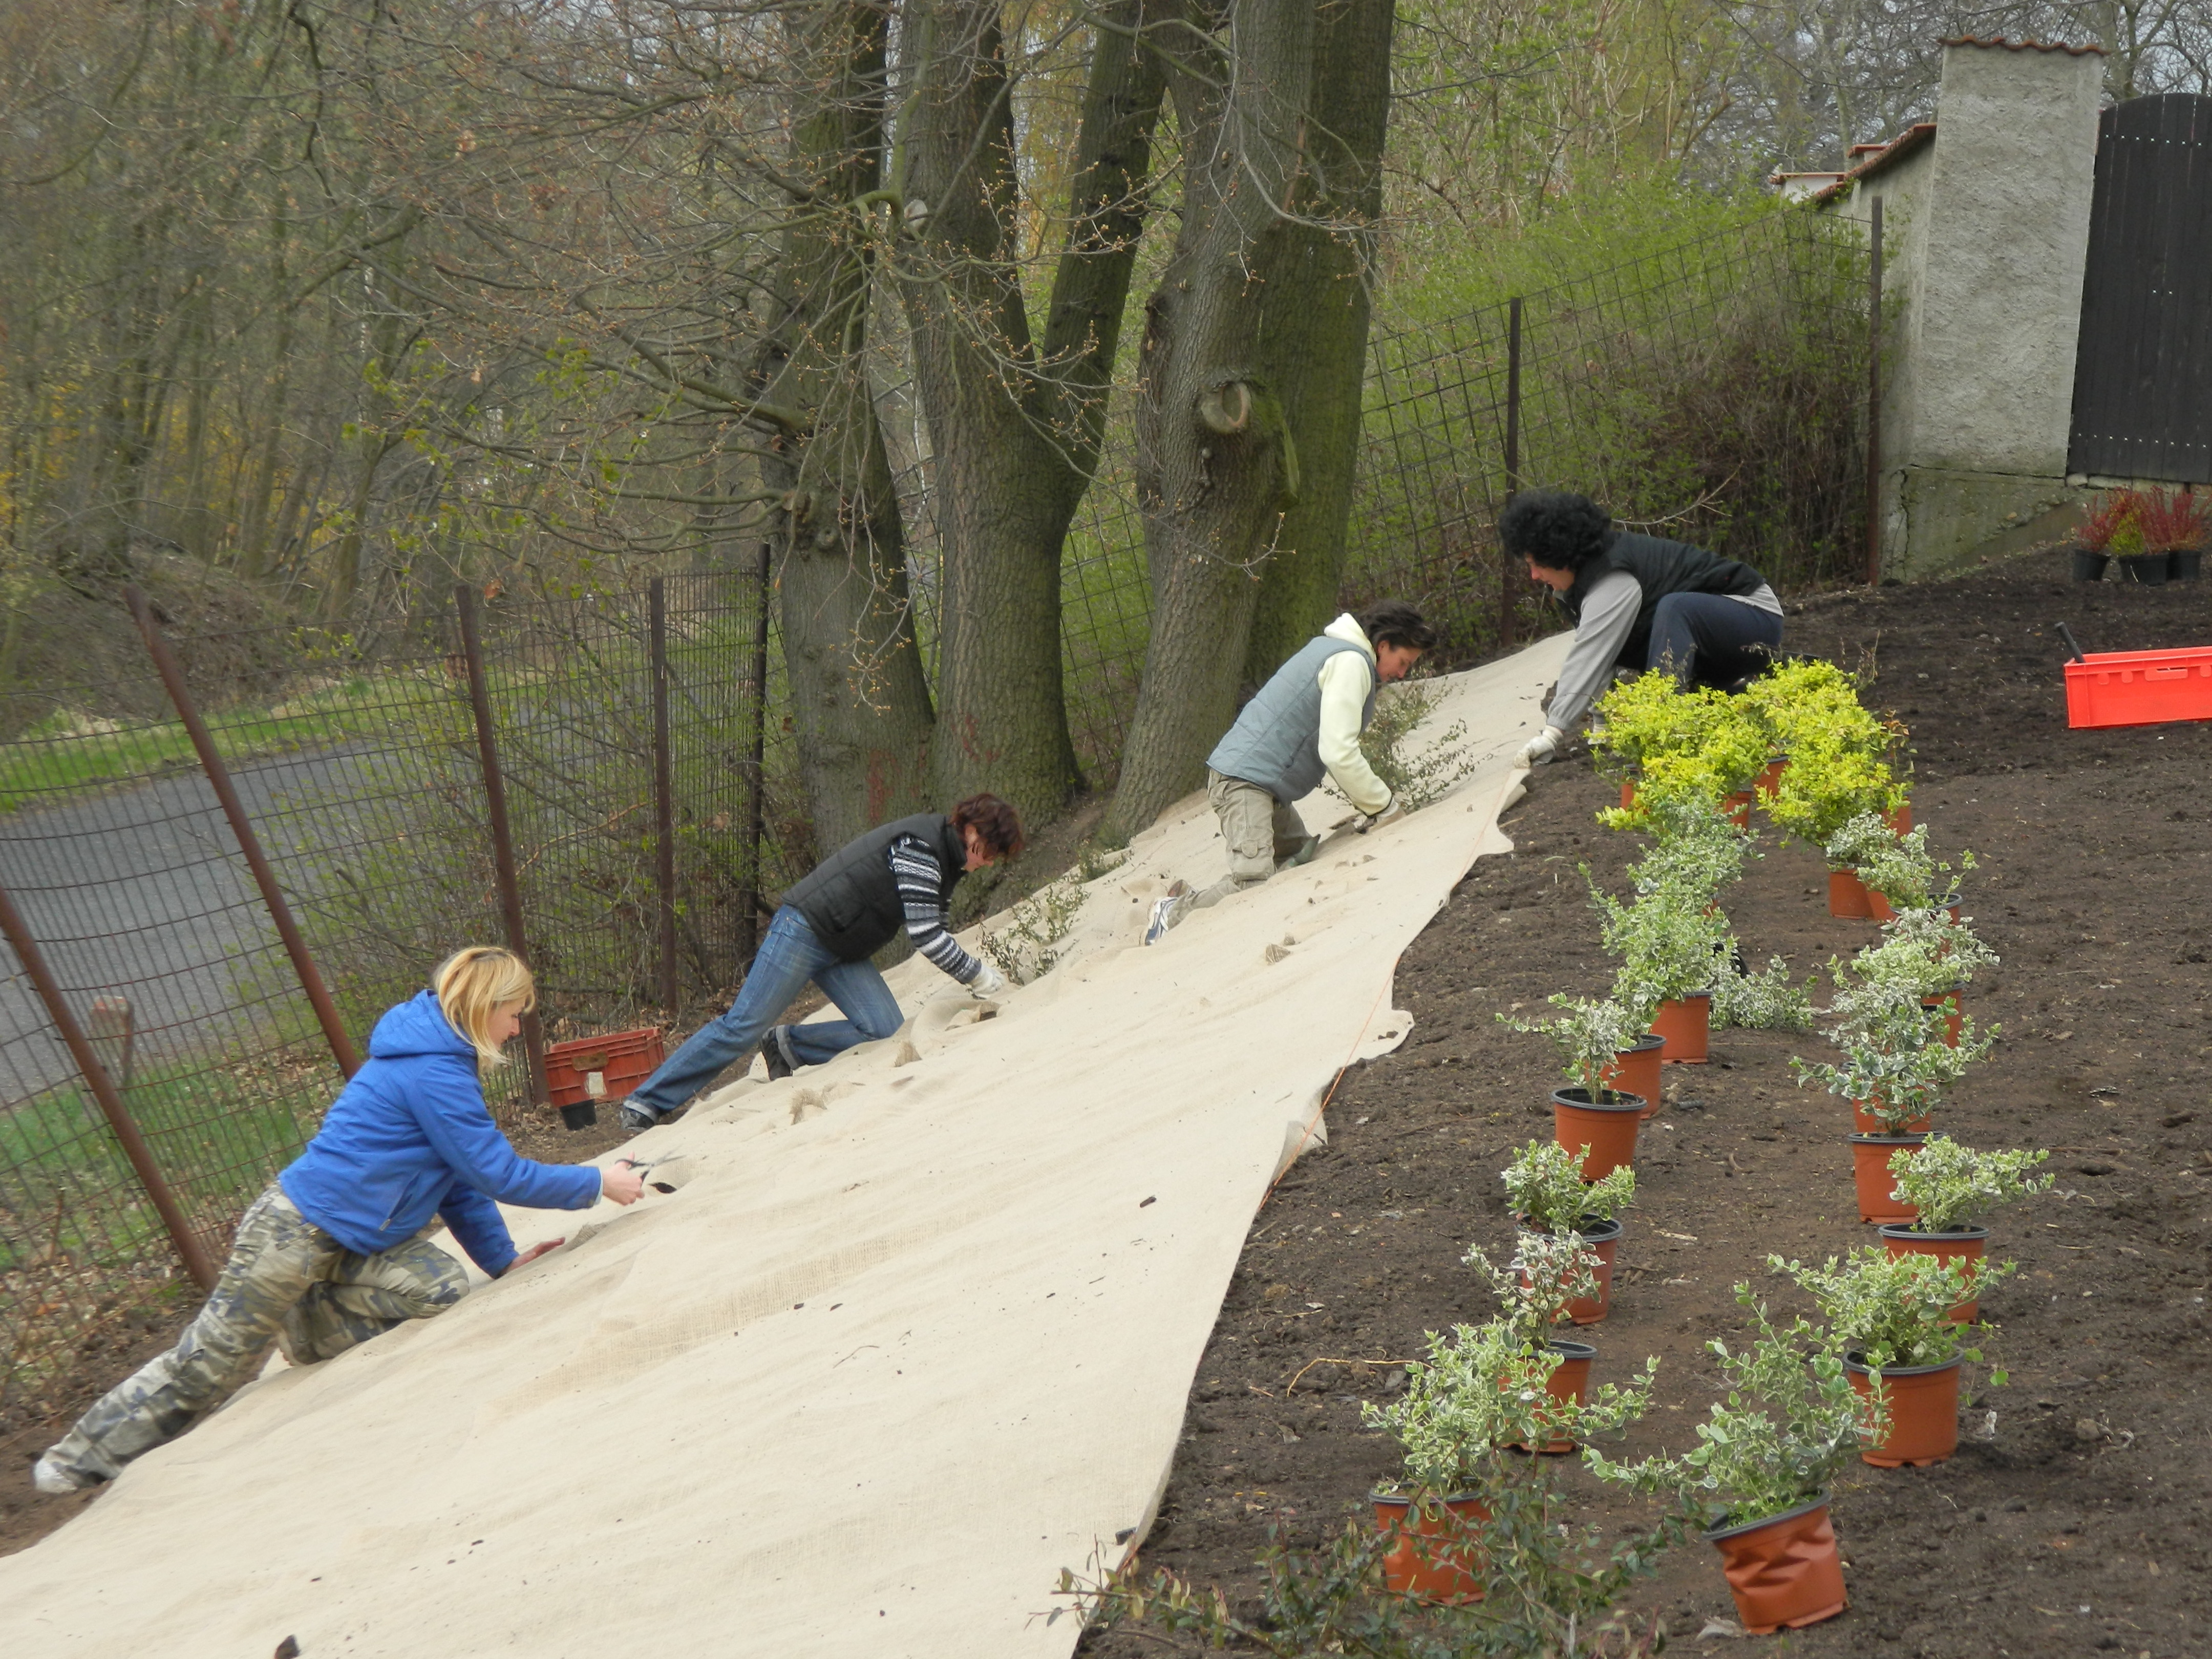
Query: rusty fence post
[1873, 402]
[1505, 595]
[664, 799]
[96, 1077]
[502, 842]
[757, 772]
[249, 844]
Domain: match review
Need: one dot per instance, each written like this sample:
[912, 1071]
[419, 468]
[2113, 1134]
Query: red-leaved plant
[2128, 522]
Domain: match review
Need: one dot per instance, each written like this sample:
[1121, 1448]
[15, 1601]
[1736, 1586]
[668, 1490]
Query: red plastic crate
[2140, 688]
[622, 1059]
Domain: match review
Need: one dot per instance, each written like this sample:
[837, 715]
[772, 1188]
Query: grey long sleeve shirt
[1609, 616]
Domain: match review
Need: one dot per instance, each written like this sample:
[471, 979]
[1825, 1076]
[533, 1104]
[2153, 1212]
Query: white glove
[988, 983]
[1391, 812]
[1544, 746]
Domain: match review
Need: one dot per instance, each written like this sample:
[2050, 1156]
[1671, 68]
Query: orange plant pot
[1601, 1239]
[1923, 1413]
[1870, 1156]
[1636, 1071]
[1685, 1023]
[1738, 808]
[1956, 1022]
[1967, 1244]
[1770, 781]
[1847, 896]
[1568, 1383]
[1432, 1553]
[1901, 820]
[1866, 1123]
[1878, 904]
[1606, 1127]
[1784, 1571]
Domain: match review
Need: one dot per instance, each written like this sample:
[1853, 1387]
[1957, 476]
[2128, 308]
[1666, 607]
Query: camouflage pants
[287, 1281]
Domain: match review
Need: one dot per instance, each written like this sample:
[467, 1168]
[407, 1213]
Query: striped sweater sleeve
[920, 879]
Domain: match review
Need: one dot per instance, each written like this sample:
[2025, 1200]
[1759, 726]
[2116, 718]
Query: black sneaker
[636, 1118]
[775, 1053]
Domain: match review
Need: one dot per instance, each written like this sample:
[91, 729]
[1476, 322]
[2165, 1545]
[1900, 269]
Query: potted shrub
[1550, 1275]
[1952, 1188]
[1896, 868]
[1671, 746]
[2099, 524]
[1761, 1467]
[1482, 1391]
[2147, 528]
[1667, 941]
[1546, 1191]
[1891, 1314]
[1838, 752]
[2174, 524]
[1586, 1115]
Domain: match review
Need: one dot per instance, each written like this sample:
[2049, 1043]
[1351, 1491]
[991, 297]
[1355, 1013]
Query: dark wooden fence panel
[2142, 379]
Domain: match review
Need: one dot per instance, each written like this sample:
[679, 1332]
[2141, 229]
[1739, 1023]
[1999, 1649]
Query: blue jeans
[1710, 639]
[788, 958]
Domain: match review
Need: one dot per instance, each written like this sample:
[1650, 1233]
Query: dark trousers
[1709, 639]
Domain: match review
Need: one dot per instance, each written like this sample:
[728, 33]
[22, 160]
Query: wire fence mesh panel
[1712, 391]
[129, 879]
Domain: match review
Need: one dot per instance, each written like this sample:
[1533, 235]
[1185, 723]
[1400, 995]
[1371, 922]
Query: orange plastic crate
[2140, 688]
[624, 1060]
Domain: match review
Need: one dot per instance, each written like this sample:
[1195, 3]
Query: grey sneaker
[637, 1117]
[56, 1481]
[775, 1053]
[1169, 911]
[1307, 849]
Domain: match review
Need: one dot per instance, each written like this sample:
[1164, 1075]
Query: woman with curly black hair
[1637, 602]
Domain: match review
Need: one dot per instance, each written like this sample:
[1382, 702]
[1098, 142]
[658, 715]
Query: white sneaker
[53, 1479]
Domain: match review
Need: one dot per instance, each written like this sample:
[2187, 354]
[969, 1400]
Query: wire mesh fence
[1712, 391]
[624, 723]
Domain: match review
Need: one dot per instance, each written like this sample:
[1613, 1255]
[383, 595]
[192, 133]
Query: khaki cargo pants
[1261, 831]
[287, 1281]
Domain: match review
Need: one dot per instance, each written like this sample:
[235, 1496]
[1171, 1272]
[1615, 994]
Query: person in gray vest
[1637, 602]
[1303, 725]
[827, 927]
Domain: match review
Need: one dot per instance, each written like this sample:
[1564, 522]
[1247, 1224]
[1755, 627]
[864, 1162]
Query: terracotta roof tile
[1997, 42]
[1912, 138]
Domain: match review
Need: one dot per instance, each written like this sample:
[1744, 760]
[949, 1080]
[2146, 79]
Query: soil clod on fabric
[2082, 1484]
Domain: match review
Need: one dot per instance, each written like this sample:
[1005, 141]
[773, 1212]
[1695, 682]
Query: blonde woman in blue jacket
[333, 1253]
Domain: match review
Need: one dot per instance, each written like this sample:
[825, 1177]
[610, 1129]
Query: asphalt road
[142, 892]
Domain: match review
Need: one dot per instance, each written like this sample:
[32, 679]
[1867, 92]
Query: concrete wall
[1987, 231]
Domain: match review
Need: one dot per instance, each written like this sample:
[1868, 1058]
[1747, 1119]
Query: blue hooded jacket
[409, 1137]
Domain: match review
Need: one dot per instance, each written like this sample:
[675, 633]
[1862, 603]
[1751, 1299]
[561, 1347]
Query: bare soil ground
[2074, 1517]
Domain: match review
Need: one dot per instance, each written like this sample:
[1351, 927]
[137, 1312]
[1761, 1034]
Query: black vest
[849, 899]
[1660, 568]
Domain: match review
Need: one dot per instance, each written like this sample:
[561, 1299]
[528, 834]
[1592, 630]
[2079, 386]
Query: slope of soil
[2072, 1519]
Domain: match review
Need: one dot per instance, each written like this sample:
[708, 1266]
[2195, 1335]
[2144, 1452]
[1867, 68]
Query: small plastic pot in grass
[1786, 1425]
[1870, 1156]
[1635, 1071]
[1684, 1026]
[1894, 1316]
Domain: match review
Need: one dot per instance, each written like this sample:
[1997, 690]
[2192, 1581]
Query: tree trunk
[1274, 162]
[858, 699]
[1313, 327]
[1014, 433]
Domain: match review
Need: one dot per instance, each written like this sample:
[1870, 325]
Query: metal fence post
[1505, 619]
[502, 842]
[218, 777]
[103, 1088]
[1873, 403]
[664, 799]
[759, 779]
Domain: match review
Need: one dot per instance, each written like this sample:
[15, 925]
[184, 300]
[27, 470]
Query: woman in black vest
[828, 927]
[1637, 602]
